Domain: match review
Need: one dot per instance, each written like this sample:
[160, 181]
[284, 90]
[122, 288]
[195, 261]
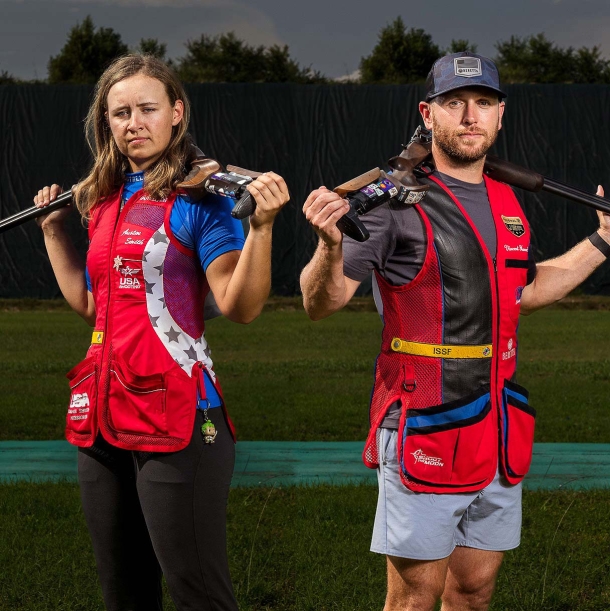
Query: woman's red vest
[449, 351]
[140, 382]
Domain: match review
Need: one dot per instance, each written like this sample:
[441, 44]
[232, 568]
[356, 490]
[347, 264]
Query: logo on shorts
[419, 456]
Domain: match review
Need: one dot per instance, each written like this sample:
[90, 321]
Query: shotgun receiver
[375, 187]
[206, 176]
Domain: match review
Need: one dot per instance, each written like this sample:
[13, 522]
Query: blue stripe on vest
[455, 415]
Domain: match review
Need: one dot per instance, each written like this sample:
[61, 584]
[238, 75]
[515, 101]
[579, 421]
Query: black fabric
[475, 201]
[149, 512]
[466, 292]
[312, 135]
[600, 244]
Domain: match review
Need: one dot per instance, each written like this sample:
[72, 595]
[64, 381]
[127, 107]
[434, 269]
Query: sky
[328, 35]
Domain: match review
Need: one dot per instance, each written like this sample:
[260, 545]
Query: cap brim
[434, 95]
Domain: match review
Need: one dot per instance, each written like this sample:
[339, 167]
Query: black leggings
[150, 513]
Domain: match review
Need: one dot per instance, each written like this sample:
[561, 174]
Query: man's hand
[604, 219]
[323, 209]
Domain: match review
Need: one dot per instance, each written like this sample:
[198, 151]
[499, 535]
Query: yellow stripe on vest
[98, 337]
[442, 351]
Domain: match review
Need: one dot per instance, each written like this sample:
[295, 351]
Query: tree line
[401, 55]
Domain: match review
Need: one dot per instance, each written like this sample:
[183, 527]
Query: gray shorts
[424, 526]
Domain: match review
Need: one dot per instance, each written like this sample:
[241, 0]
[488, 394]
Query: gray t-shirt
[397, 246]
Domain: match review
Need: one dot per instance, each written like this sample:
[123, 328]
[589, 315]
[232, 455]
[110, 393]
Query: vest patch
[514, 224]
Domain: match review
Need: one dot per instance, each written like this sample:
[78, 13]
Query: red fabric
[136, 393]
[414, 312]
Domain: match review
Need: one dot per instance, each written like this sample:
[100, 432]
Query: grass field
[301, 549]
[287, 378]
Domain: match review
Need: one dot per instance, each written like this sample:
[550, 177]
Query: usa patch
[514, 224]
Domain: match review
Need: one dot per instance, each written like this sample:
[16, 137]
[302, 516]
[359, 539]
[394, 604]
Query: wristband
[600, 244]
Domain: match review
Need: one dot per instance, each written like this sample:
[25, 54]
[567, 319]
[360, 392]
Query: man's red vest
[144, 370]
[449, 351]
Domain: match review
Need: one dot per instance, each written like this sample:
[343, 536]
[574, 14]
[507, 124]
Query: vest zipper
[105, 369]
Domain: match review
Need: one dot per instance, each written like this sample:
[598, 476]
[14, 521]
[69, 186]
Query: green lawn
[287, 378]
[305, 549]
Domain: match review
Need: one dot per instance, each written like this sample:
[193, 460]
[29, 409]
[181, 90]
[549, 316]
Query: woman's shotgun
[206, 176]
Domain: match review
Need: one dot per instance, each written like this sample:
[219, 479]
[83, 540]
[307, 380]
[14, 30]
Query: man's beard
[449, 143]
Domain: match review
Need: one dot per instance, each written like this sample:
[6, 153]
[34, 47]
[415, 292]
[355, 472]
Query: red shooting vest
[144, 370]
[458, 414]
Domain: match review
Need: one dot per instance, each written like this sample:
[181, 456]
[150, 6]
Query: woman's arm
[241, 281]
[67, 265]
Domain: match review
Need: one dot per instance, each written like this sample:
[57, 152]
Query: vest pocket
[136, 402]
[83, 395]
[450, 445]
[518, 422]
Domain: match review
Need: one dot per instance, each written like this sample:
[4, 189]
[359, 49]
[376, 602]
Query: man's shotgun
[516, 176]
[375, 188]
[206, 176]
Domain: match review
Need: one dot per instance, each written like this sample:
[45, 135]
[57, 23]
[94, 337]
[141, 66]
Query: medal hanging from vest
[208, 430]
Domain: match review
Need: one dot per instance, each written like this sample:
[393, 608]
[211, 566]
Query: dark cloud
[329, 35]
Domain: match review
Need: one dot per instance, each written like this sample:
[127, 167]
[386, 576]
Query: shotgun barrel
[32, 213]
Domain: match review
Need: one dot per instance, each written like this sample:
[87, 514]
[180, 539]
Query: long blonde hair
[109, 166]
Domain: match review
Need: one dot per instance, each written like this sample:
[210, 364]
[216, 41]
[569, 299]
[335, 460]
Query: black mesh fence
[312, 135]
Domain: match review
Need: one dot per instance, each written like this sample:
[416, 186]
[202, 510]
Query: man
[451, 432]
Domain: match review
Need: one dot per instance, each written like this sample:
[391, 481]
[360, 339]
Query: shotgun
[206, 176]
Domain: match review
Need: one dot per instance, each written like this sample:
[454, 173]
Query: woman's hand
[271, 194]
[44, 197]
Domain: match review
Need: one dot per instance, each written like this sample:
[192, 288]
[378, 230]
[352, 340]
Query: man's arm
[555, 278]
[325, 288]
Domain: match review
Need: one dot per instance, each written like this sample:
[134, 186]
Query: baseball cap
[462, 70]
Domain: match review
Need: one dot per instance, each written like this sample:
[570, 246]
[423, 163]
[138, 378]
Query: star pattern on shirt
[159, 237]
[191, 353]
[184, 349]
[172, 334]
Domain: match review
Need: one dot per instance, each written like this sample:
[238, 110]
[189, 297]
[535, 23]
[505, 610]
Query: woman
[156, 453]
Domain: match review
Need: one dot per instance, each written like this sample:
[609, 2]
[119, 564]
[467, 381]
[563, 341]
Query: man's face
[464, 122]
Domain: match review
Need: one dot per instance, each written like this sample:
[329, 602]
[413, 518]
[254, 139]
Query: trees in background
[86, 54]
[151, 46]
[401, 55]
[404, 55]
[227, 59]
[535, 59]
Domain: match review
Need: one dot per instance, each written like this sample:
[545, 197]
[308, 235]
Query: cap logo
[467, 66]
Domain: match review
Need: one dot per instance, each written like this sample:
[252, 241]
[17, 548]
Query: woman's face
[141, 118]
